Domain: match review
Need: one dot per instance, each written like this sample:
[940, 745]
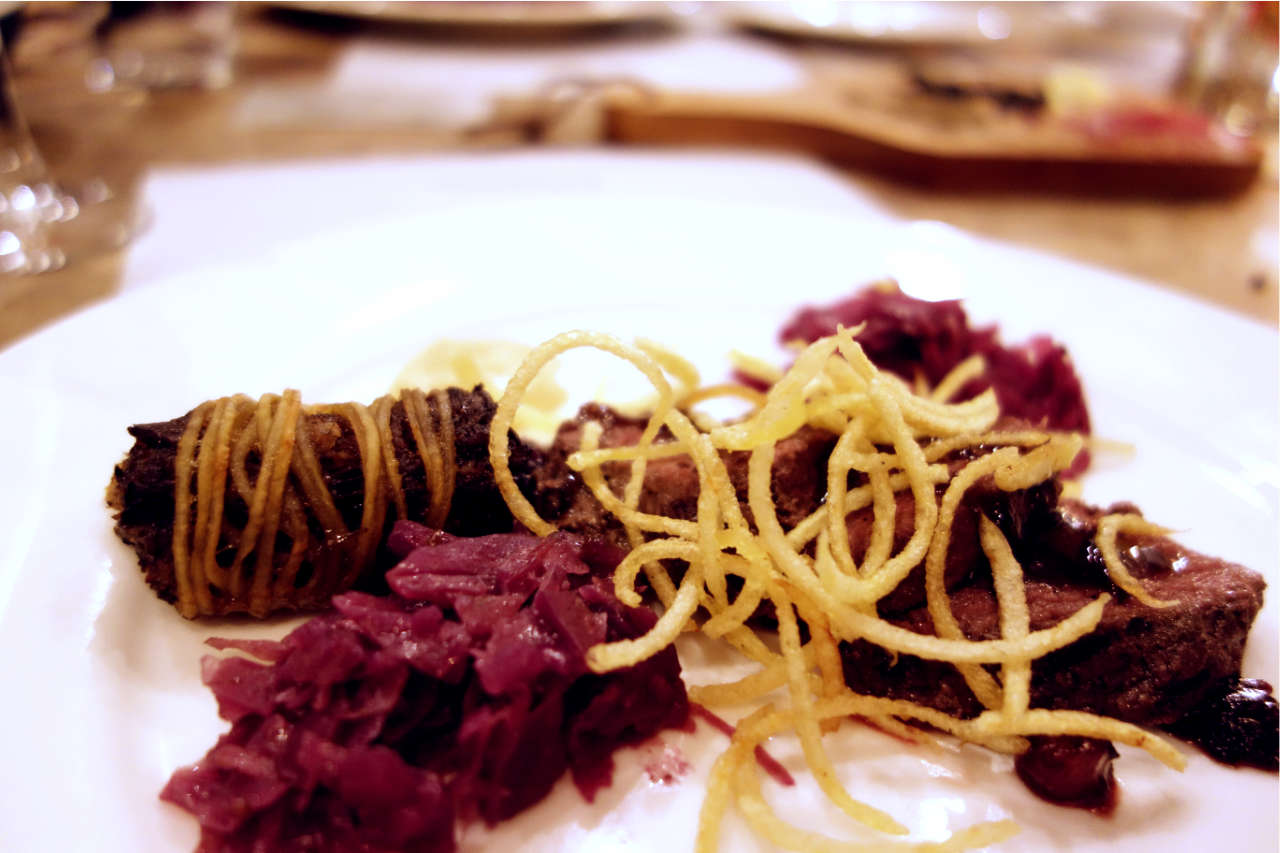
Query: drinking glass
[31, 206]
[48, 220]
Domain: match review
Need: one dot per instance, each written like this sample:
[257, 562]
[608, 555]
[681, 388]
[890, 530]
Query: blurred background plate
[496, 15]
[940, 24]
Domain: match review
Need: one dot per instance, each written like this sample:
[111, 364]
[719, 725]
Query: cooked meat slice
[671, 484]
[1145, 665]
[142, 489]
[799, 487]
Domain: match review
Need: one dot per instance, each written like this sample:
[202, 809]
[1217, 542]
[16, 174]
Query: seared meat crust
[1143, 665]
[142, 486]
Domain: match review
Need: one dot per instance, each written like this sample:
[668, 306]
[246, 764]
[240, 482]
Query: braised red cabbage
[1034, 382]
[463, 695]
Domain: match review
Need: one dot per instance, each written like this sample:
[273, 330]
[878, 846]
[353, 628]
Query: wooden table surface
[1222, 250]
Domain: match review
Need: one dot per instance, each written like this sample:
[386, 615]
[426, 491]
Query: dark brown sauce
[1070, 771]
[1242, 727]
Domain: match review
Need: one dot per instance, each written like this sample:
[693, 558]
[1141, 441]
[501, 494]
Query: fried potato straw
[891, 439]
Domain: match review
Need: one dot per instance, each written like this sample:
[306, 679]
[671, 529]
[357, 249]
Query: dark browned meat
[1151, 666]
[1144, 665]
[142, 487]
[799, 487]
[671, 484]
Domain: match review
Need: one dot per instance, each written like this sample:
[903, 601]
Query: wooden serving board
[1134, 150]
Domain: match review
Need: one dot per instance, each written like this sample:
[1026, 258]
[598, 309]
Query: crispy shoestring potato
[219, 440]
[900, 441]
[1108, 528]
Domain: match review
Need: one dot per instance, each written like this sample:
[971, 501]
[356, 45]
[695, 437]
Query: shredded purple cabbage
[463, 695]
[1034, 382]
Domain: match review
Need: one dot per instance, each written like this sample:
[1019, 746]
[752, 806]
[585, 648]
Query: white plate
[898, 23]
[516, 16]
[103, 699]
[905, 23]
